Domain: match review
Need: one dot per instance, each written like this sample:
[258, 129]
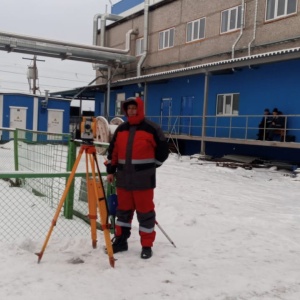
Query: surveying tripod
[96, 198]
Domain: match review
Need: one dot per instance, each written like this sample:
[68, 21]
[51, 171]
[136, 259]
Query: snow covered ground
[237, 237]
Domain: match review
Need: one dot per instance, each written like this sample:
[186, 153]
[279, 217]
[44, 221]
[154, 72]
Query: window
[166, 39]
[231, 19]
[119, 103]
[139, 49]
[228, 104]
[280, 8]
[195, 30]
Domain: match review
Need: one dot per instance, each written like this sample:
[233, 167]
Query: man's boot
[119, 243]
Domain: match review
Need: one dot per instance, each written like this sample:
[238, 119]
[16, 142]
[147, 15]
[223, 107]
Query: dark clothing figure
[278, 122]
[137, 148]
[264, 124]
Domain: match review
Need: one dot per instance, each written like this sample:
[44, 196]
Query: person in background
[264, 124]
[278, 122]
[137, 148]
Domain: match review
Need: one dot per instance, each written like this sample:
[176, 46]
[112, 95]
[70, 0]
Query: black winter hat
[131, 100]
[275, 110]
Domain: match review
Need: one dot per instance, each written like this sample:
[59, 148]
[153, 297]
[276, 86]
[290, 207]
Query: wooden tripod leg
[92, 203]
[60, 205]
[102, 207]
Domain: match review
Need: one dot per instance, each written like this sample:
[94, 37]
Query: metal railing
[223, 126]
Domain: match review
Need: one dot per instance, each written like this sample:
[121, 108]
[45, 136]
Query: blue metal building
[34, 112]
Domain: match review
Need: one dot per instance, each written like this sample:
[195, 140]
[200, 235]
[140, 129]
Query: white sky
[67, 20]
[237, 235]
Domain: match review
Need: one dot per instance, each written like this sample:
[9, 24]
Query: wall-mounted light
[44, 102]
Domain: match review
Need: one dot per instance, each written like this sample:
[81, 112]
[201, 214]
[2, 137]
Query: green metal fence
[33, 172]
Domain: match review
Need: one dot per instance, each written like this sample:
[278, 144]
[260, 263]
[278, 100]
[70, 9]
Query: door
[187, 106]
[55, 123]
[166, 112]
[17, 119]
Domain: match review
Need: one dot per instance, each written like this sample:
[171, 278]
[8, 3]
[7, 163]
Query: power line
[48, 77]
[45, 69]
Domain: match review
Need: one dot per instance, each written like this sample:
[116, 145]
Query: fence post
[69, 203]
[16, 154]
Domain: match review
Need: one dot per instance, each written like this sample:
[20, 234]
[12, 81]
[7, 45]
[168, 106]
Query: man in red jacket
[137, 148]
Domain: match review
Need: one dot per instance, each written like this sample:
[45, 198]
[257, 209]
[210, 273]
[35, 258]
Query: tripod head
[87, 130]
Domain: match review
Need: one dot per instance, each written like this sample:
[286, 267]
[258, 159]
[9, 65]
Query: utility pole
[33, 74]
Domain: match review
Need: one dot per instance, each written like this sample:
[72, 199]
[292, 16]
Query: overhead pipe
[110, 17]
[60, 43]
[125, 51]
[103, 18]
[63, 50]
[241, 31]
[146, 25]
[254, 28]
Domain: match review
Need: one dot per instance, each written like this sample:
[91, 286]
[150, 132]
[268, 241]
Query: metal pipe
[145, 52]
[165, 234]
[204, 113]
[254, 28]
[51, 48]
[241, 31]
[103, 18]
[108, 92]
[56, 42]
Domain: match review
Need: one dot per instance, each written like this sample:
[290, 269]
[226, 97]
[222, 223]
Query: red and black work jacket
[137, 148]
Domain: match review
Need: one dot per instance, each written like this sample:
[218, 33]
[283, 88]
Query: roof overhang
[218, 67]
[214, 68]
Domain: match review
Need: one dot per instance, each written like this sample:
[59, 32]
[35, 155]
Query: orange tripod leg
[92, 203]
[92, 211]
[99, 192]
[60, 204]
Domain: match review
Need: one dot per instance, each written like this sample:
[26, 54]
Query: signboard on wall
[55, 122]
[17, 118]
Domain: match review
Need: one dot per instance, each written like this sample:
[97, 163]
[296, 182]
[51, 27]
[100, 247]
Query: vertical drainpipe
[254, 28]
[145, 97]
[143, 57]
[241, 31]
[205, 101]
[146, 21]
[108, 92]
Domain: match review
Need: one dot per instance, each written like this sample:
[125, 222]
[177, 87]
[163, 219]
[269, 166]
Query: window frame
[120, 98]
[274, 13]
[238, 21]
[234, 104]
[139, 46]
[166, 38]
[193, 23]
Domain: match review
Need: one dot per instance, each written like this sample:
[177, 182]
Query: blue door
[187, 106]
[166, 112]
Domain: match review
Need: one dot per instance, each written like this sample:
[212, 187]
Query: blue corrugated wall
[27, 101]
[259, 87]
